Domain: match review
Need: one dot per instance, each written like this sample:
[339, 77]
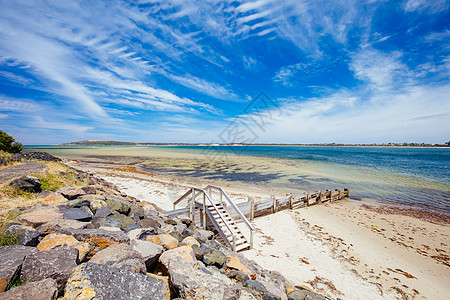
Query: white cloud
[432, 6]
[40, 122]
[15, 78]
[204, 87]
[379, 70]
[16, 105]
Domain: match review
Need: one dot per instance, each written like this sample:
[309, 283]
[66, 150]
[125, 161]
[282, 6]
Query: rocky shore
[94, 242]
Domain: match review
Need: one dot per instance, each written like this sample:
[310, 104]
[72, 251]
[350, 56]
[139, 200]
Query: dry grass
[7, 239]
[55, 175]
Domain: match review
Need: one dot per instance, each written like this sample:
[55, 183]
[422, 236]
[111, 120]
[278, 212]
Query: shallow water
[414, 176]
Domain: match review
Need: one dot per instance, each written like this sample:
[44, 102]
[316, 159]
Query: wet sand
[347, 249]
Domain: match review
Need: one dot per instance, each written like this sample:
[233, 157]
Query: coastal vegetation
[9, 144]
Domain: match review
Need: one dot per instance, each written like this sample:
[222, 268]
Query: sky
[264, 71]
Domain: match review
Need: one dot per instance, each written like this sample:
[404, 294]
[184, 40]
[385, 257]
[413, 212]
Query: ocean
[417, 177]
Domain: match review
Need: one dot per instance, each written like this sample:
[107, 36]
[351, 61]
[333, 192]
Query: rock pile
[40, 156]
[93, 242]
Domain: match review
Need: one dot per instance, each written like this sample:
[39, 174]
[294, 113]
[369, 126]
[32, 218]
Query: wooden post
[307, 199]
[338, 195]
[346, 192]
[319, 198]
[291, 197]
[204, 211]
[191, 205]
[252, 209]
[274, 199]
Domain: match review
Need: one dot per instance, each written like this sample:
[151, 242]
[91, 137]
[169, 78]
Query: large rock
[140, 233]
[57, 225]
[102, 282]
[29, 184]
[45, 289]
[192, 283]
[215, 258]
[190, 241]
[121, 256]
[239, 262]
[184, 252]
[77, 203]
[149, 251]
[98, 239]
[25, 235]
[132, 227]
[55, 240]
[91, 189]
[102, 212]
[52, 197]
[203, 235]
[304, 294]
[124, 220]
[118, 204]
[262, 290]
[272, 290]
[71, 192]
[82, 214]
[148, 222]
[110, 221]
[11, 259]
[167, 241]
[56, 263]
[40, 216]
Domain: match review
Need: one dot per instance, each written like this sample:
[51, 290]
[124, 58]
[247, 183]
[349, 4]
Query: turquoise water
[412, 176]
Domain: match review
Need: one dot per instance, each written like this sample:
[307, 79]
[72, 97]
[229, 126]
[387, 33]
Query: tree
[16, 147]
[8, 144]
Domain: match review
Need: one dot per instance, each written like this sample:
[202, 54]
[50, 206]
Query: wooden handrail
[238, 211]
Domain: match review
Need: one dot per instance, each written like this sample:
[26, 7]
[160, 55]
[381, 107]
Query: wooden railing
[253, 209]
[7, 159]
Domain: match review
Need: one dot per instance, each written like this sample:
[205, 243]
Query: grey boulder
[25, 235]
[149, 251]
[121, 256]
[11, 259]
[56, 263]
[82, 214]
[105, 282]
[45, 289]
[29, 184]
[71, 192]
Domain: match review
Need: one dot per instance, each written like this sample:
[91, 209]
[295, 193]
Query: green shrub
[50, 182]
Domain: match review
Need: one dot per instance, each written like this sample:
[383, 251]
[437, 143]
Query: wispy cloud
[434, 6]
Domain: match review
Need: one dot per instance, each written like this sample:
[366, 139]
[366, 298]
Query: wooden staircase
[241, 242]
[228, 233]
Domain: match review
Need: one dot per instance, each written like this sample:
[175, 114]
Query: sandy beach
[347, 249]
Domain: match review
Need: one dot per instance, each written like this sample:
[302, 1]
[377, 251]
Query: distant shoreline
[119, 143]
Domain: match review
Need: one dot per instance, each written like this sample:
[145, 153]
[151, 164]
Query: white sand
[337, 243]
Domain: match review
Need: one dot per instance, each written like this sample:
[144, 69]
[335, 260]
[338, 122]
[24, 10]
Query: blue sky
[187, 71]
